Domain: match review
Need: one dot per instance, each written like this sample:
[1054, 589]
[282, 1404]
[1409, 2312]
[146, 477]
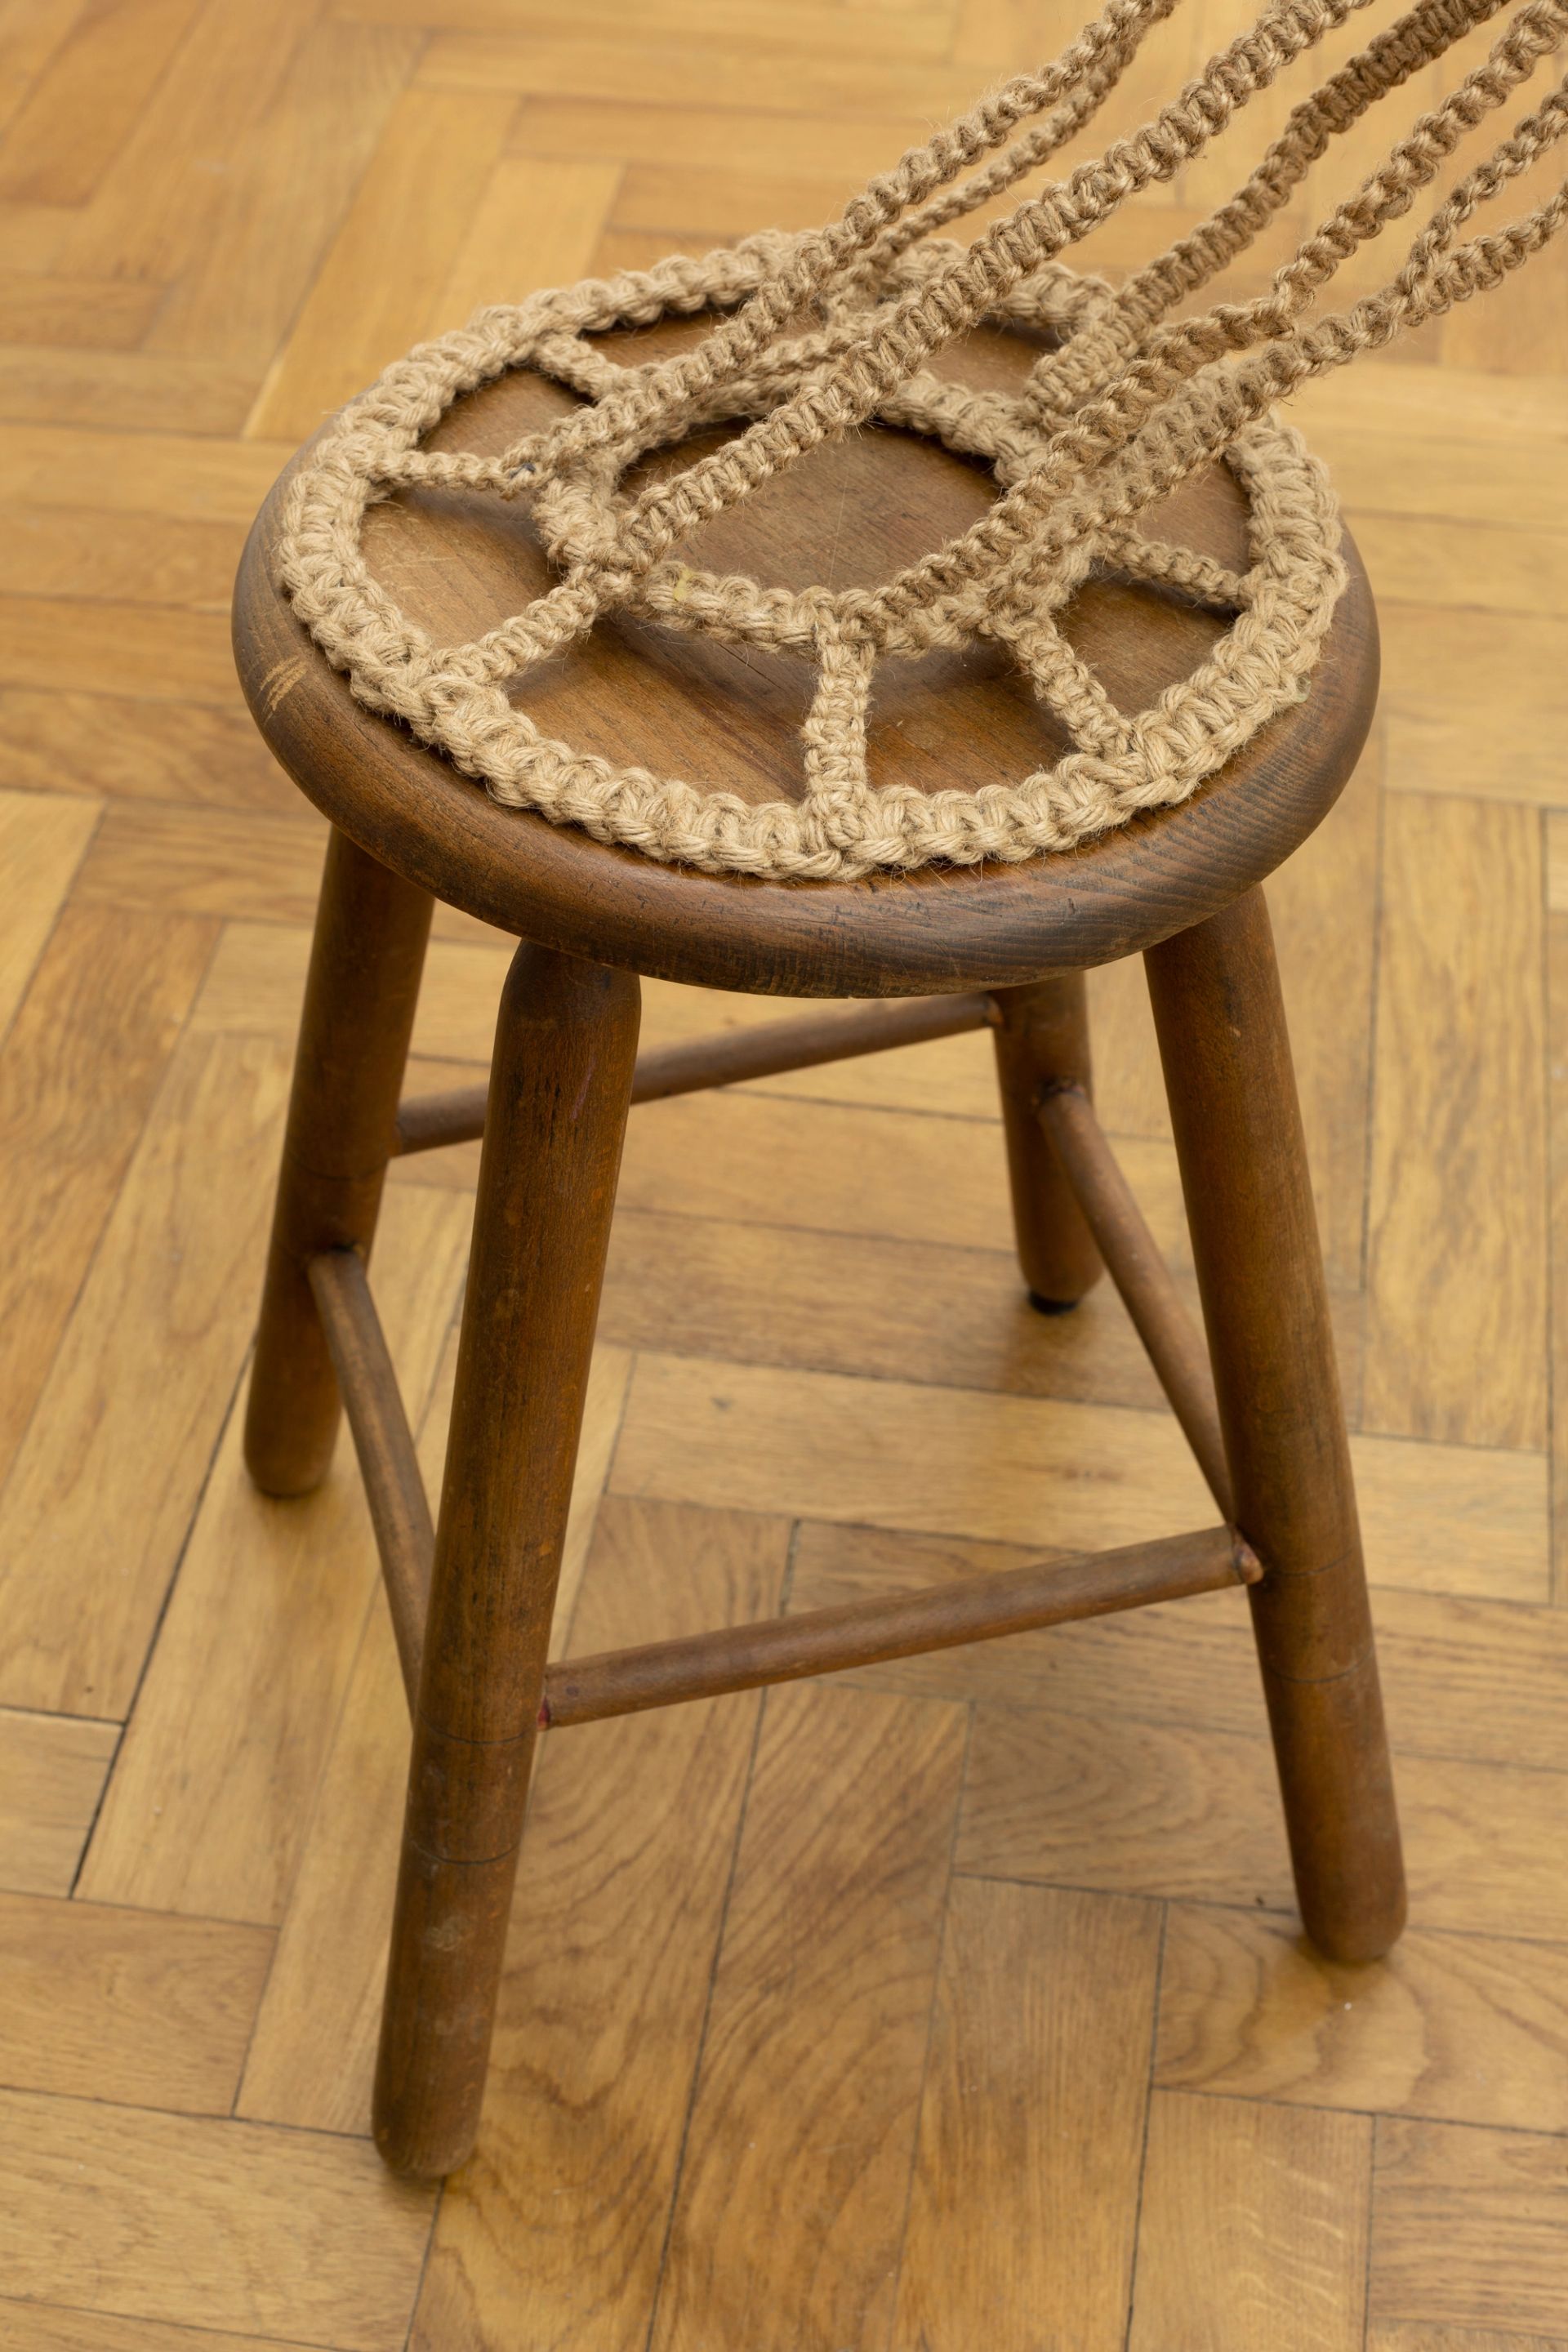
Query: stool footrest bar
[394, 1489]
[1173, 1342]
[459, 1116]
[863, 1633]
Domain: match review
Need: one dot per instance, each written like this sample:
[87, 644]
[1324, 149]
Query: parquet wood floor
[958, 2004]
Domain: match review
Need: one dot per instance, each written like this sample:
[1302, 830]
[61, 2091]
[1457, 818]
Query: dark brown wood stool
[942, 951]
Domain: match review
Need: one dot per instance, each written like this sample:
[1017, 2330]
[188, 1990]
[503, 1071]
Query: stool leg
[1042, 1039]
[363, 984]
[560, 1089]
[1227, 1055]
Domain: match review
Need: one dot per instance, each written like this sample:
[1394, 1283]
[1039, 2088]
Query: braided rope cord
[821, 331]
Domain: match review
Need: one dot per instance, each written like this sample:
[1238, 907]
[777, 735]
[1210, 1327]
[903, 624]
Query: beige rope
[1128, 403]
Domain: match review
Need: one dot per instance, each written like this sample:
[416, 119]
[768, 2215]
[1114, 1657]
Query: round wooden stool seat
[849, 515]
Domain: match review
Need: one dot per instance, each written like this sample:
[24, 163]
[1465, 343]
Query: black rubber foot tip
[1051, 1306]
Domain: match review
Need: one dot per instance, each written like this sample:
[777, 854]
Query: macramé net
[821, 331]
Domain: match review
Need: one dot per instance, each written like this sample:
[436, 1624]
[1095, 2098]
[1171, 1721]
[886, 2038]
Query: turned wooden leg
[363, 985]
[1227, 1055]
[560, 1089]
[1042, 1041]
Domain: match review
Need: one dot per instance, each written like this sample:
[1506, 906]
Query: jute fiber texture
[818, 332]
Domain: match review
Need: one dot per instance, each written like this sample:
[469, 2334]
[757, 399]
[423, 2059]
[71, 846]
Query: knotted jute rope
[1126, 404]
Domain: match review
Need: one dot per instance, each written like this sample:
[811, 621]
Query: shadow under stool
[935, 952]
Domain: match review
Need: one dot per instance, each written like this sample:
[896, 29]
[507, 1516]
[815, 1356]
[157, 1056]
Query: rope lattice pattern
[1127, 404]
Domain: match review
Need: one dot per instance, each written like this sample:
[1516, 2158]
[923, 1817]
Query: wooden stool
[1003, 948]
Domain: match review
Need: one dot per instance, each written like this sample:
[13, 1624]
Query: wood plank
[313, 2052]
[152, 211]
[1416, 2338]
[840, 151]
[1557, 1218]
[684, 203]
[555, 2233]
[1036, 1471]
[846, 33]
[86, 314]
[185, 475]
[135, 558]
[43, 837]
[46, 2328]
[1324, 905]
[52, 1772]
[209, 1806]
[41, 384]
[1456, 1335]
[127, 2005]
[795, 2176]
[138, 649]
[1253, 2228]
[247, 866]
[96, 1513]
[1474, 403]
[30, 34]
[1192, 1814]
[1470, 2029]
[138, 749]
[292, 175]
[1448, 560]
[600, 68]
[372, 296]
[1444, 1659]
[537, 223]
[1505, 484]
[85, 1056]
[1031, 2140]
[880, 1309]
[272, 2233]
[82, 112]
[1494, 2202]
[257, 978]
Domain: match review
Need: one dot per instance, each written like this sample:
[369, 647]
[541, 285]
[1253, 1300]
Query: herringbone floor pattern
[960, 2005]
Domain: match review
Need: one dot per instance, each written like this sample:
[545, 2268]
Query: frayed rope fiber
[1126, 404]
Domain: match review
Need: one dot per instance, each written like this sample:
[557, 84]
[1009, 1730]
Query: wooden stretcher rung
[1176, 1347]
[863, 1633]
[394, 1489]
[459, 1116]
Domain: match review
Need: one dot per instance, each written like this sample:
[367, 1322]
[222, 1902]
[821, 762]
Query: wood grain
[273, 2233]
[1497, 2204]
[621, 1900]
[85, 1056]
[67, 742]
[46, 2328]
[1035, 2098]
[98, 1508]
[42, 841]
[216, 216]
[797, 2168]
[1192, 1814]
[390, 261]
[52, 1772]
[1253, 2229]
[207, 1809]
[126, 2005]
[1456, 1338]
[313, 2049]
[1472, 2029]
[1443, 1658]
[1026, 1470]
